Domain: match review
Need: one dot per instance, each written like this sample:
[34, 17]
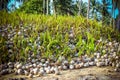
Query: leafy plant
[90, 43]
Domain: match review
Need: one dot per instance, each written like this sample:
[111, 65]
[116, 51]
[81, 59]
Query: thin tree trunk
[54, 10]
[88, 9]
[103, 12]
[0, 4]
[4, 4]
[51, 7]
[113, 13]
[79, 6]
[43, 6]
[118, 21]
[47, 6]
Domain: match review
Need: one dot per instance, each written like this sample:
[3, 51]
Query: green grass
[53, 33]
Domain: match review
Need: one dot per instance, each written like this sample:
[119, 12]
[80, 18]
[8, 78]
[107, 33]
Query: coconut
[114, 54]
[116, 57]
[37, 63]
[10, 51]
[18, 66]
[107, 62]
[10, 71]
[30, 66]
[42, 60]
[33, 61]
[10, 63]
[34, 65]
[38, 66]
[113, 64]
[86, 64]
[42, 68]
[45, 65]
[72, 62]
[30, 75]
[11, 66]
[106, 56]
[116, 70]
[95, 54]
[45, 68]
[57, 72]
[91, 63]
[41, 64]
[96, 60]
[65, 62]
[20, 71]
[78, 60]
[31, 71]
[103, 60]
[25, 72]
[19, 33]
[71, 35]
[57, 63]
[110, 43]
[55, 68]
[48, 71]
[71, 66]
[23, 67]
[35, 71]
[65, 67]
[41, 72]
[87, 59]
[60, 68]
[52, 70]
[98, 56]
[118, 65]
[47, 62]
[77, 66]
[102, 57]
[4, 72]
[81, 64]
[99, 64]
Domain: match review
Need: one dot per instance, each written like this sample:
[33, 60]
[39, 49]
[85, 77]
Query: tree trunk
[79, 6]
[103, 12]
[118, 22]
[47, 6]
[54, 9]
[51, 7]
[43, 6]
[88, 9]
[113, 13]
[117, 4]
[0, 4]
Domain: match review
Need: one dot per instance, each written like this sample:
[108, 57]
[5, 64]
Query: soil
[91, 73]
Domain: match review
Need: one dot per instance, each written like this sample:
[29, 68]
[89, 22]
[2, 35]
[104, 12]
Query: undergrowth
[49, 36]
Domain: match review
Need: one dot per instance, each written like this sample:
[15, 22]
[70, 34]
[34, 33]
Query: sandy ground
[94, 73]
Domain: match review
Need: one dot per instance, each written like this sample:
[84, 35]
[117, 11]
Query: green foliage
[64, 7]
[32, 6]
[49, 36]
[83, 7]
[90, 43]
[86, 46]
[60, 7]
[80, 46]
[3, 49]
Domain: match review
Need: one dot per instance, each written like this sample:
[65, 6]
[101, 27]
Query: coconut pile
[36, 66]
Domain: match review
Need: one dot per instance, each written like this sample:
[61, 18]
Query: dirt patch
[91, 73]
